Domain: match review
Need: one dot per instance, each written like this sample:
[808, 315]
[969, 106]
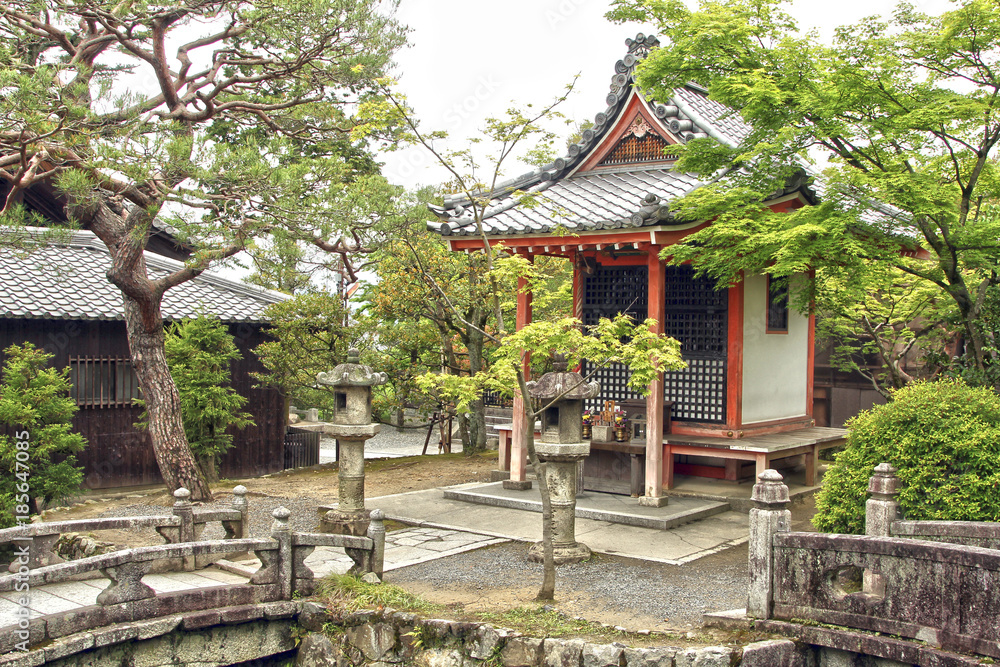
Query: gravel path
[635, 594]
[389, 442]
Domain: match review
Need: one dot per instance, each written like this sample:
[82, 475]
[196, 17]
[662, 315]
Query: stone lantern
[352, 426]
[561, 447]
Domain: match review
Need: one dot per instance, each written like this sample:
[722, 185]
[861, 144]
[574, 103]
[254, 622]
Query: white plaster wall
[774, 365]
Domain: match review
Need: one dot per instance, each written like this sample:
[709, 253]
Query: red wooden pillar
[654, 403]
[734, 359]
[519, 450]
[578, 278]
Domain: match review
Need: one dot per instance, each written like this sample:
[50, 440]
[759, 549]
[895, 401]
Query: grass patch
[355, 594]
[547, 622]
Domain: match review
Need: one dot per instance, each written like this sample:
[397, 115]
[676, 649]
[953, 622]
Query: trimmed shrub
[942, 437]
[37, 462]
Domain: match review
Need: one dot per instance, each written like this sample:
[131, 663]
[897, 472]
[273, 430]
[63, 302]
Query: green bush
[942, 437]
[36, 452]
[199, 353]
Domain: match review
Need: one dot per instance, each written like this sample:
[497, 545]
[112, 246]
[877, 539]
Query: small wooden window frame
[776, 310]
[103, 382]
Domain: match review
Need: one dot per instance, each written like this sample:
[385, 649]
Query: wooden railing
[933, 581]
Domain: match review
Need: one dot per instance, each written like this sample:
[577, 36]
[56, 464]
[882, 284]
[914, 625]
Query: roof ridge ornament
[641, 45]
[639, 127]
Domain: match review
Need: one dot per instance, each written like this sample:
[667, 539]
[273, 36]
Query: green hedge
[942, 437]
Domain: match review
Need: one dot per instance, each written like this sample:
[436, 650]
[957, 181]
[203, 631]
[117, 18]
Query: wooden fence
[301, 448]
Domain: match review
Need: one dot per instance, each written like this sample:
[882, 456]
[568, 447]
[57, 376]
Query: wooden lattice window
[777, 307]
[698, 391]
[632, 150]
[638, 144]
[611, 290]
[103, 382]
[697, 316]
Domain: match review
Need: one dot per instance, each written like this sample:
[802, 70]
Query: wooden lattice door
[696, 315]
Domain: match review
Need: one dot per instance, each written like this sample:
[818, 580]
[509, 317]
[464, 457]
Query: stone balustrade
[970, 533]
[923, 580]
[282, 573]
[185, 524]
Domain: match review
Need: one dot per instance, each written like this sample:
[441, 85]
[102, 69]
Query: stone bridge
[908, 593]
[51, 609]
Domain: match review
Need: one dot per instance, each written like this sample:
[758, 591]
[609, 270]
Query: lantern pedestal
[350, 517]
[561, 462]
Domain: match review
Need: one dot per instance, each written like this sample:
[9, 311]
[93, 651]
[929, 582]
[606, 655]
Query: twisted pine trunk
[163, 403]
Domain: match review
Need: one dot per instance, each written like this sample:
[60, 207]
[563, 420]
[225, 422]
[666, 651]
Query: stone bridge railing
[283, 572]
[934, 581]
[185, 524]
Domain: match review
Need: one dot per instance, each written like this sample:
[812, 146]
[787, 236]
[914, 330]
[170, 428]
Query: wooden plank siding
[118, 454]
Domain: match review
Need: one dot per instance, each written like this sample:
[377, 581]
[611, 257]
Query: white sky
[469, 59]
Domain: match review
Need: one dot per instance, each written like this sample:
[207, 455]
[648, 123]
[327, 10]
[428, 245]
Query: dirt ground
[383, 477]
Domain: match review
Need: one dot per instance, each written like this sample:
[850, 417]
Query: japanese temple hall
[745, 398]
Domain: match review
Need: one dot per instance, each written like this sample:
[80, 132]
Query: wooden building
[746, 395]
[58, 298]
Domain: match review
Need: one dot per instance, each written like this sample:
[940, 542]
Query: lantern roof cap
[352, 373]
[562, 384]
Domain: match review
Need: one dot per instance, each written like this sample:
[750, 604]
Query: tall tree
[129, 108]
[309, 336]
[419, 279]
[905, 111]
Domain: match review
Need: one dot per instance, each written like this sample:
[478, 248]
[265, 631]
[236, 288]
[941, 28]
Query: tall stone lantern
[561, 447]
[352, 426]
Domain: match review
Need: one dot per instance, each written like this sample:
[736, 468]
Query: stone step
[678, 512]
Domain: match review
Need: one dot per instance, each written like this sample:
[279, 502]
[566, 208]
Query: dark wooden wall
[118, 454]
[839, 395]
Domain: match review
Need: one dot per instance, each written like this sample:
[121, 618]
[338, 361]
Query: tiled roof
[68, 282]
[595, 200]
[630, 196]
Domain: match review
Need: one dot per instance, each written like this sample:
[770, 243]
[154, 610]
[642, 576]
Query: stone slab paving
[609, 507]
[678, 545]
[404, 547]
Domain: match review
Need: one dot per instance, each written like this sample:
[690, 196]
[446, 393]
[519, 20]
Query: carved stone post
[769, 517]
[126, 583]
[185, 533]
[376, 532]
[281, 533]
[562, 448]
[40, 550]
[881, 509]
[235, 530]
[560, 476]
